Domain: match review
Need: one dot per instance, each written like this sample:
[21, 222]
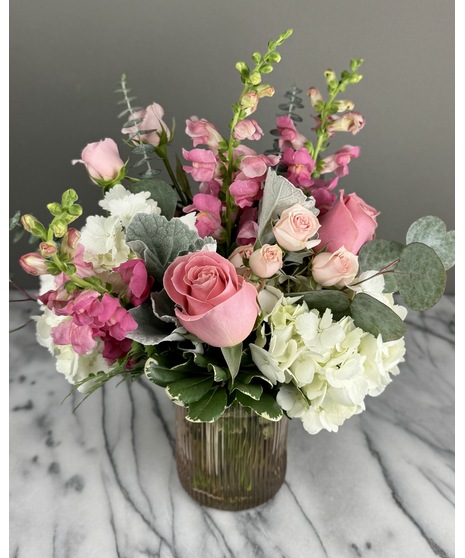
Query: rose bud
[335, 269]
[266, 261]
[102, 161]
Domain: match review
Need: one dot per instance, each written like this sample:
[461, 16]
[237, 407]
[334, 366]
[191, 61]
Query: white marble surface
[101, 482]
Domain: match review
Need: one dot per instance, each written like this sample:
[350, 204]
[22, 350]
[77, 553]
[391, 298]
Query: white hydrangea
[326, 367]
[123, 204]
[74, 367]
[104, 242]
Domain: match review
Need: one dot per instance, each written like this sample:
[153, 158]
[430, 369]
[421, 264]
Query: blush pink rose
[350, 223]
[295, 228]
[214, 302]
[266, 261]
[152, 120]
[102, 160]
[335, 269]
[241, 252]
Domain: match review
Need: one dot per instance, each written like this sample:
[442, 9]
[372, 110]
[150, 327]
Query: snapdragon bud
[47, 249]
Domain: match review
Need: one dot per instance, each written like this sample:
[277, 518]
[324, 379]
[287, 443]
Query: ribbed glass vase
[234, 463]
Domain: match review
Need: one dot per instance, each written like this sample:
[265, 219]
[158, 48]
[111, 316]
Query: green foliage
[233, 356]
[337, 301]
[266, 406]
[432, 231]
[381, 254]
[421, 276]
[375, 317]
[159, 241]
[160, 191]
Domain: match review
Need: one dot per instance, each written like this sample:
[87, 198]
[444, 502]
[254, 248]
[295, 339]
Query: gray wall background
[66, 58]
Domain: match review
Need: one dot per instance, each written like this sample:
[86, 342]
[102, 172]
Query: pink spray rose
[295, 228]
[102, 160]
[152, 120]
[215, 303]
[266, 261]
[338, 268]
[350, 223]
[238, 255]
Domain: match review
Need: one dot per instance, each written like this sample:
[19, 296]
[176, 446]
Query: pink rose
[350, 223]
[215, 303]
[295, 228]
[266, 261]
[241, 252]
[338, 268]
[152, 120]
[102, 160]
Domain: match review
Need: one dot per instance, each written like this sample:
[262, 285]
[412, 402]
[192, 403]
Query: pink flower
[338, 163]
[34, 264]
[351, 122]
[247, 130]
[324, 198]
[247, 227]
[299, 166]
[249, 102]
[208, 218]
[256, 166]
[315, 96]
[350, 223]
[335, 269]
[152, 120]
[246, 191]
[102, 160]
[203, 164]
[134, 275]
[203, 132]
[214, 302]
[290, 137]
[266, 261]
[238, 255]
[211, 187]
[295, 228]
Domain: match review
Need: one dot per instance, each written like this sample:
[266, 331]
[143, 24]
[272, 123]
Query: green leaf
[232, 356]
[159, 241]
[151, 329]
[220, 374]
[182, 178]
[15, 220]
[266, 406]
[189, 390]
[161, 192]
[421, 276]
[143, 148]
[209, 408]
[378, 254]
[252, 390]
[163, 376]
[247, 377]
[432, 231]
[373, 316]
[337, 301]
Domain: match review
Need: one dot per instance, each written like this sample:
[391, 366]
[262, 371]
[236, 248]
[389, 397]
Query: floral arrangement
[266, 288]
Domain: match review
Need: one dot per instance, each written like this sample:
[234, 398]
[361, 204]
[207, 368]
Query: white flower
[266, 364]
[123, 204]
[104, 242]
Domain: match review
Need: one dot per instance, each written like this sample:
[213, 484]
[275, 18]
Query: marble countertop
[101, 482]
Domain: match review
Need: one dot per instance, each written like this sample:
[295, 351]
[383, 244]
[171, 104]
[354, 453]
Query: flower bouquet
[262, 296]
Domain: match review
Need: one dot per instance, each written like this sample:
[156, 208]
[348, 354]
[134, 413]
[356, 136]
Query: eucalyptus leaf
[161, 192]
[376, 318]
[232, 356]
[209, 408]
[336, 301]
[159, 241]
[151, 173]
[143, 148]
[15, 220]
[278, 195]
[421, 276]
[432, 231]
[140, 163]
[266, 406]
[190, 389]
[378, 254]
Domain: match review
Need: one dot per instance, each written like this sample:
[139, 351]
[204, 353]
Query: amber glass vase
[234, 463]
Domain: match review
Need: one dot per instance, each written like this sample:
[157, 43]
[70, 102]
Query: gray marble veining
[101, 482]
